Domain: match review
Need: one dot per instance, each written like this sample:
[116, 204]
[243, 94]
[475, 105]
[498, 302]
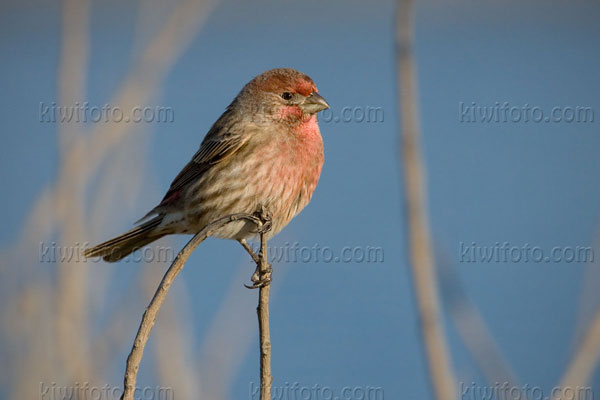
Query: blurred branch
[149, 317]
[473, 330]
[142, 82]
[72, 70]
[589, 295]
[61, 208]
[422, 263]
[587, 353]
[71, 324]
[585, 359]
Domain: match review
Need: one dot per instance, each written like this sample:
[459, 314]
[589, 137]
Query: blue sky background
[337, 324]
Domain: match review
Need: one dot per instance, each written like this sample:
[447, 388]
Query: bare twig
[227, 339]
[266, 379]
[422, 263]
[262, 279]
[149, 317]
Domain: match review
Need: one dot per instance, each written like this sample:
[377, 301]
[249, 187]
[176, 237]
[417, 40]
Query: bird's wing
[216, 147]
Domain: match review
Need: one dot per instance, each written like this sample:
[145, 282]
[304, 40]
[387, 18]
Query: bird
[265, 152]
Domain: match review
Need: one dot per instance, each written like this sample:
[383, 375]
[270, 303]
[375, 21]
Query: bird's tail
[120, 247]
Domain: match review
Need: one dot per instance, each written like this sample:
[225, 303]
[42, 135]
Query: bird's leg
[256, 275]
[249, 249]
[262, 275]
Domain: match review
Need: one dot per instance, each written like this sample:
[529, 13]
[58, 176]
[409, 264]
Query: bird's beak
[314, 103]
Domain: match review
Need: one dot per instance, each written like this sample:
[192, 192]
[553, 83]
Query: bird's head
[284, 95]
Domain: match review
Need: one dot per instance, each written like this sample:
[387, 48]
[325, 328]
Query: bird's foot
[266, 219]
[260, 278]
[262, 274]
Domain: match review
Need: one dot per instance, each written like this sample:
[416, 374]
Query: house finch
[264, 151]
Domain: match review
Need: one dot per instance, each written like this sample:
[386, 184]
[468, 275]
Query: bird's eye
[286, 96]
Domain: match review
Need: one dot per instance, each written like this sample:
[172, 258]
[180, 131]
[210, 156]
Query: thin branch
[149, 317]
[227, 340]
[266, 379]
[422, 262]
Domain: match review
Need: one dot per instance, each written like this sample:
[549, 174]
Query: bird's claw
[260, 283]
[260, 279]
[266, 219]
[266, 226]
